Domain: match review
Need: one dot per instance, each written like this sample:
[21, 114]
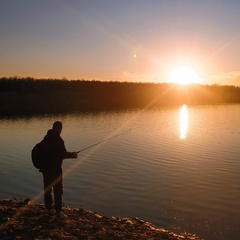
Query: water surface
[176, 167]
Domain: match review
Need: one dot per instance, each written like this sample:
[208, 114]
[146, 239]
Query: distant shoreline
[25, 220]
[29, 96]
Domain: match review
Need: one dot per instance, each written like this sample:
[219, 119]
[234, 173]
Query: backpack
[39, 154]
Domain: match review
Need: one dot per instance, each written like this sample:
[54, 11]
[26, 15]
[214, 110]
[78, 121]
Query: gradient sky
[120, 40]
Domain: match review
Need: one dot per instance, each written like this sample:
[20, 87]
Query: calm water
[176, 167]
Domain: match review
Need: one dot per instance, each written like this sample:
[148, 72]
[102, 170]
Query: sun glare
[183, 75]
[183, 121]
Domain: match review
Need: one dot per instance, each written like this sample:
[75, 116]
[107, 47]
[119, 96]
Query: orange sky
[121, 40]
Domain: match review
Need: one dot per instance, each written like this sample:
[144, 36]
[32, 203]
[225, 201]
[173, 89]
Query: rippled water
[176, 167]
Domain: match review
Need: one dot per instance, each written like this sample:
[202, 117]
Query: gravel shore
[25, 220]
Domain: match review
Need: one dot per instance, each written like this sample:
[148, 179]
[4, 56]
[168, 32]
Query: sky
[120, 40]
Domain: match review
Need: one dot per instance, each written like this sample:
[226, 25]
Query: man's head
[57, 126]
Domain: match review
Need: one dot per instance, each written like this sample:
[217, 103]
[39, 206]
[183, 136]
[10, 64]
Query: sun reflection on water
[183, 121]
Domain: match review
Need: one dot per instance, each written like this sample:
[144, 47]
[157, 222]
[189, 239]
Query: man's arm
[71, 155]
[65, 153]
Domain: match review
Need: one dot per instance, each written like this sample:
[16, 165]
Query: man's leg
[58, 192]
[47, 181]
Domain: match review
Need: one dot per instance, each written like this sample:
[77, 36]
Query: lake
[176, 167]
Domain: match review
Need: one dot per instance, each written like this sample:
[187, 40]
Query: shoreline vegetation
[29, 96]
[25, 220]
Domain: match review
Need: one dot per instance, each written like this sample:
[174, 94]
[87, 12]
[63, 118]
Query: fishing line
[105, 140]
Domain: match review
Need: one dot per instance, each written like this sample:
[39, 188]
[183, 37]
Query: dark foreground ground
[24, 220]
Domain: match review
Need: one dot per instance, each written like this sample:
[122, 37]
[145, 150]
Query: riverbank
[25, 220]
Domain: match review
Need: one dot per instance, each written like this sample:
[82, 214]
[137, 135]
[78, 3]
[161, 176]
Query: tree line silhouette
[28, 96]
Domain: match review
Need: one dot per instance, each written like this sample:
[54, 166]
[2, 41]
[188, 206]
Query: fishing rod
[105, 140]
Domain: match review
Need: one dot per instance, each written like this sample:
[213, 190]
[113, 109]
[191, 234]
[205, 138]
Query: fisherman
[52, 170]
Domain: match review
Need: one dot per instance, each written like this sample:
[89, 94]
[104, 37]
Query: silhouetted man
[52, 170]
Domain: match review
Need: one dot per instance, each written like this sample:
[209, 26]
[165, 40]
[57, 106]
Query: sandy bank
[24, 220]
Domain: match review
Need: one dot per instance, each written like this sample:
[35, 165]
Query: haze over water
[175, 167]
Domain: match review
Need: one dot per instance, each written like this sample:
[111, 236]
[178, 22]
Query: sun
[183, 75]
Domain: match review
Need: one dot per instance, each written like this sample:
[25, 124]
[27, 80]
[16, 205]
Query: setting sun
[183, 75]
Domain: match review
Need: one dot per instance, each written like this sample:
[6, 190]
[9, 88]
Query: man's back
[55, 148]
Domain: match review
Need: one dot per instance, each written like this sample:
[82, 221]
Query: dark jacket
[56, 151]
